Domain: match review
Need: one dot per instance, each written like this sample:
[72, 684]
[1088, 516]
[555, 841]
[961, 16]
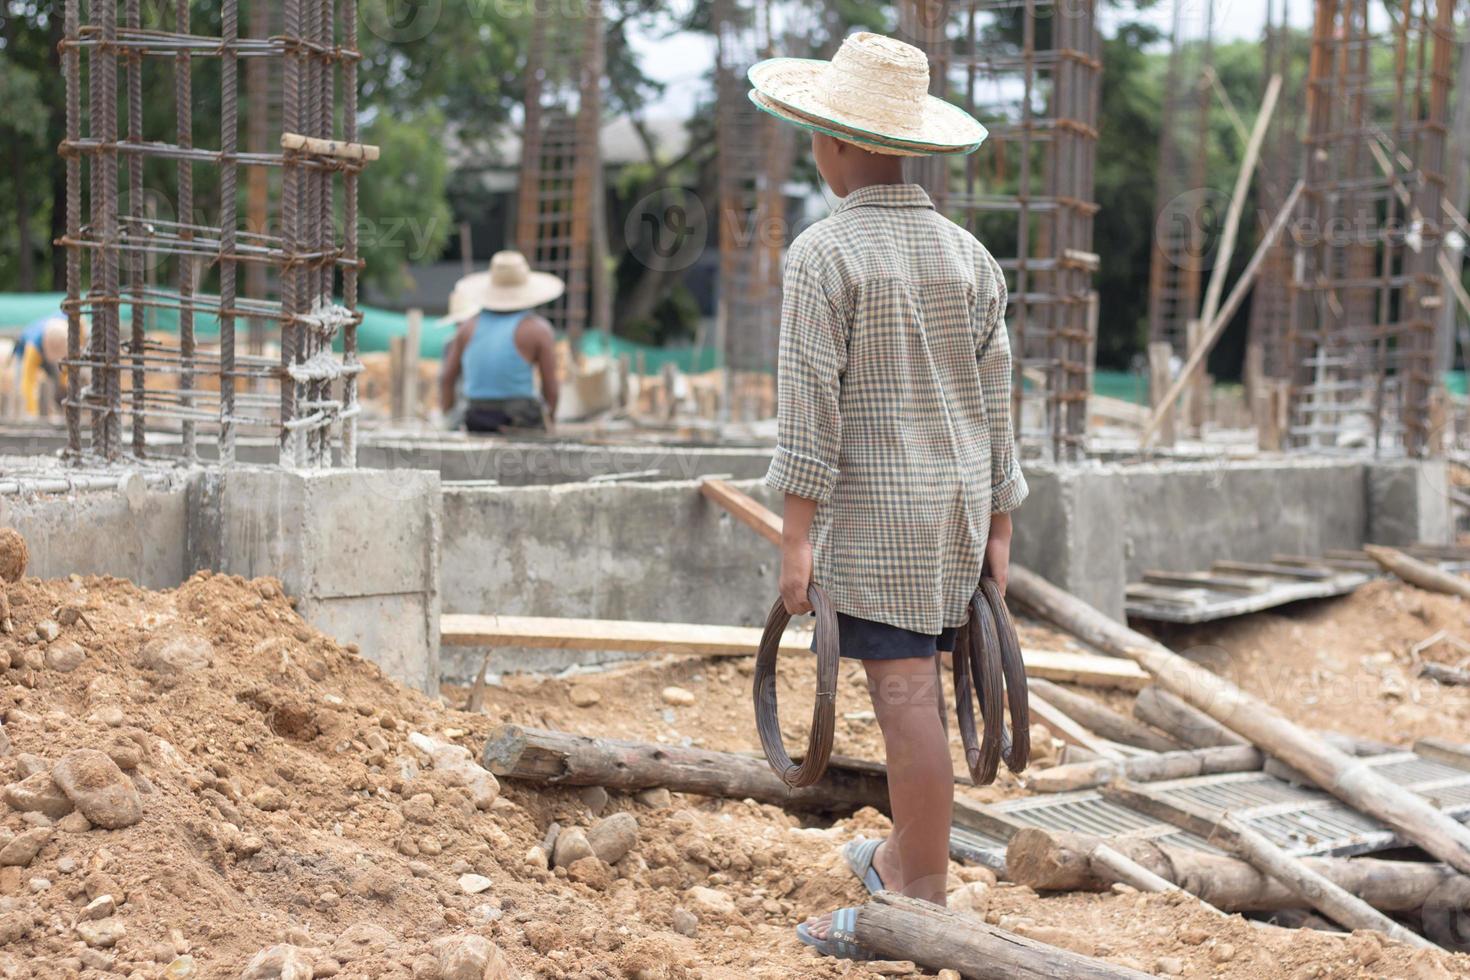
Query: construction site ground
[284, 806]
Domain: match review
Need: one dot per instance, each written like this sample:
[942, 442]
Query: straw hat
[874, 92]
[508, 285]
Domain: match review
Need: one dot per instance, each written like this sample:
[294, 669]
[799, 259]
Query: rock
[280, 962]
[14, 555]
[103, 933]
[473, 884]
[65, 656]
[1064, 938]
[656, 798]
[38, 885]
[595, 797]
[893, 968]
[125, 752]
[613, 837]
[419, 808]
[22, 850]
[98, 908]
[100, 790]
[182, 653]
[181, 968]
[950, 975]
[973, 898]
[684, 922]
[1169, 966]
[1223, 952]
[38, 793]
[471, 957]
[571, 846]
[16, 925]
[267, 798]
[583, 696]
[591, 872]
[708, 901]
[74, 823]
[48, 630]
[677, 696]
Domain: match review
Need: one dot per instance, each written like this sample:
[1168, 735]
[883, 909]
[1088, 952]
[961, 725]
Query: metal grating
[1300, 819]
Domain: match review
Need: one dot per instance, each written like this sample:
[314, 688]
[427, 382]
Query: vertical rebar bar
[291, 281]
[135, 227]
[71, 66]
[349, 233]
[229, 146]
[184, 126]
[104, 112]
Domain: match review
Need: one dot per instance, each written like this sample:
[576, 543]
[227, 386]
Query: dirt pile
[197, 784]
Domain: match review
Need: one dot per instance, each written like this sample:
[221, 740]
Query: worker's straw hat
[508, 285]
[874, 93]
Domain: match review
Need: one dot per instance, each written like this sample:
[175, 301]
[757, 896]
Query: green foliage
[403, 215]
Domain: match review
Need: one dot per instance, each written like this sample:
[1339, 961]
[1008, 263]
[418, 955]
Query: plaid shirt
[895, 405]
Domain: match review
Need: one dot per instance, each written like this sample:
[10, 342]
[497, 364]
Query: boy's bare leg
[915, 858]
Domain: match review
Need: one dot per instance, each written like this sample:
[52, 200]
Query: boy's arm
[1007, 485]
[812, 357]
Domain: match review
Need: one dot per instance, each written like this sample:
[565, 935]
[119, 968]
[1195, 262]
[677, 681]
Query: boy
[894, 450]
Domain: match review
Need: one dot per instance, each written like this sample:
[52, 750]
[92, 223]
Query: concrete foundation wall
[527, 463]
[141, 535]
[656, 551]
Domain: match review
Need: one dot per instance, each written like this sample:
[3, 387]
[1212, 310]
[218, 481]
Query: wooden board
[628, 636]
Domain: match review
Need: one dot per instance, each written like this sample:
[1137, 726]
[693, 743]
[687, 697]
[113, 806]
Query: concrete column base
[358, 548]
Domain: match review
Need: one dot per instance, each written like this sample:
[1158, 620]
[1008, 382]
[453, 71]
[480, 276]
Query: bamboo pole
[1218, 324]
[1104, 720]
[1417, 572]
[1146, 768]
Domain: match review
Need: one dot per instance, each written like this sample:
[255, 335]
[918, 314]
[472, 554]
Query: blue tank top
[492, 366]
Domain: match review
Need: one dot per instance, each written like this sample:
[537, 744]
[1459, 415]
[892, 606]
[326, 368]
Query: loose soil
[283, 803]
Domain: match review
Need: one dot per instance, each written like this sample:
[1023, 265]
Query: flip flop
[841, 941]
[859, 854]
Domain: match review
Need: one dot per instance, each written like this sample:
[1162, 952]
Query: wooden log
[696, 639]
[1345, 776]
[1191, 726]
[1068, 730]
[1322, 894]
[1146, 768]
[1420, 573]
[899, 928]
[564, 759]
[1445, 674]
[1104, 720]
[1048, 860]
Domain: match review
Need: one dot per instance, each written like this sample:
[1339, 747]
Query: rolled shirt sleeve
[811, 359]
[1007, 484]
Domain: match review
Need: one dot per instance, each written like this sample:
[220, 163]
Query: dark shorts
[863, 639]
[499, 414]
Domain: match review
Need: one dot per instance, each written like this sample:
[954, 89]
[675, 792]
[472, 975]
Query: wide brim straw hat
[508, 285]
[874, 93]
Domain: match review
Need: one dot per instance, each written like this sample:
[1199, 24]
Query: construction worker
[39, 352]
[498, 342]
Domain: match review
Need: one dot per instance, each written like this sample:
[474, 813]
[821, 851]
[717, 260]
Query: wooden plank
[1269, 568]
[1444, 750]
[743, 508]
[1102, 719]
[691, 639]
[1146, 768]
[1420, 573]
[1209, 580]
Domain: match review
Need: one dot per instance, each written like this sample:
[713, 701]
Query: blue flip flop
[841, 941]
[859, 854]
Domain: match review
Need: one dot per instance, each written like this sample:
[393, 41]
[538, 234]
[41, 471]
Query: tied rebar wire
[177, 384]
[349, 232]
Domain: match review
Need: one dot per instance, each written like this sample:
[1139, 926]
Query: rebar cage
[1366, 282]
[1029, 70]
[194, 381]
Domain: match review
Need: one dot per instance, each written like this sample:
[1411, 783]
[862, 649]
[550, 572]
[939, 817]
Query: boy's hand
[796, 575]
[998, 550]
